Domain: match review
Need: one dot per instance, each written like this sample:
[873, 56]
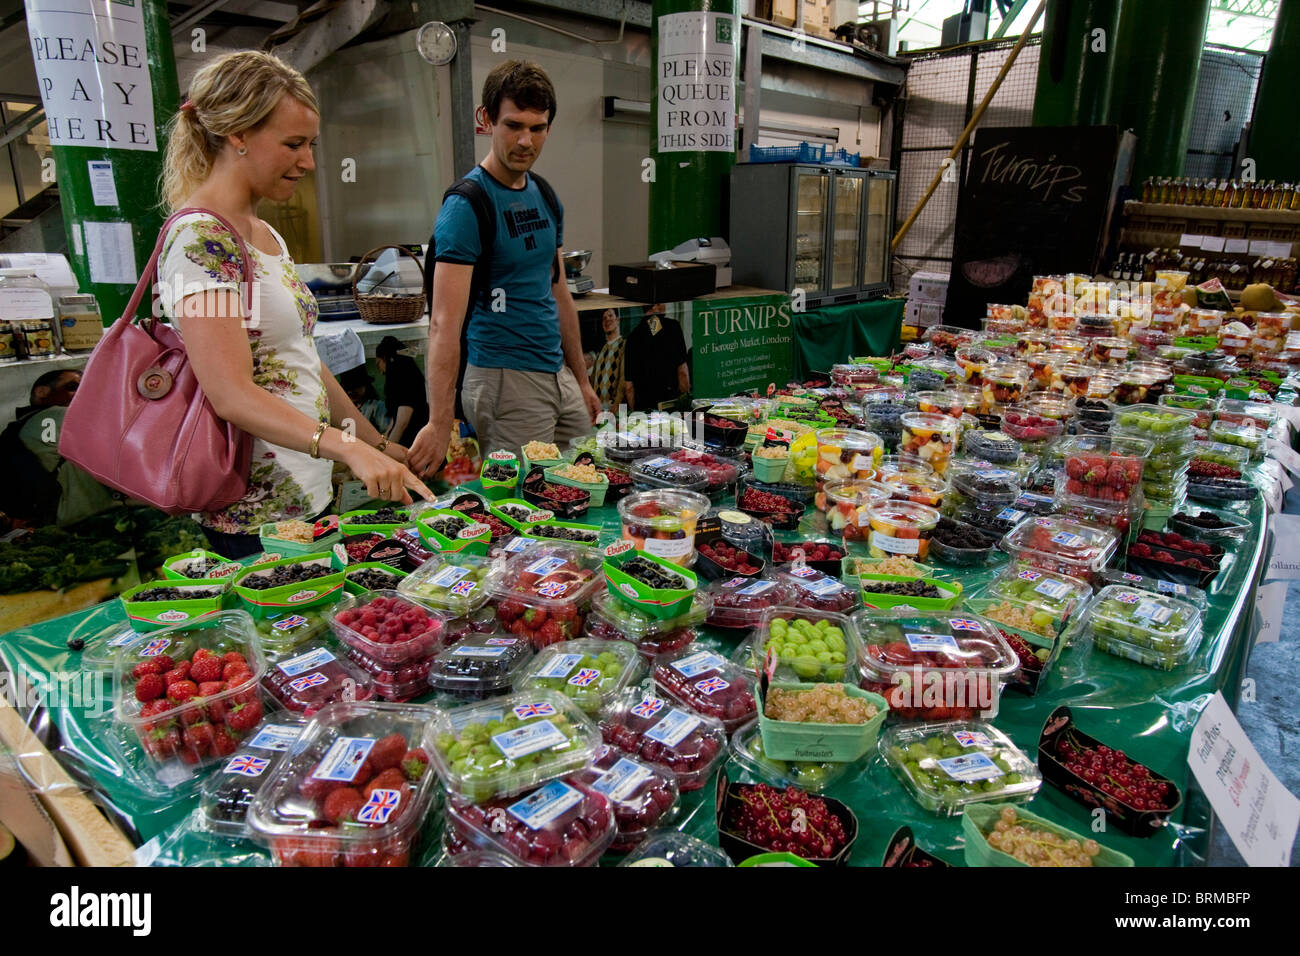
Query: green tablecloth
[823, 337]
[1147, 713]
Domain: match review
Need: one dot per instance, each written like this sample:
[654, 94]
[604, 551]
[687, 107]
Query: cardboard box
[783, 12]
[646, 282]
[928, 287]
[81, 333]
[923, 314]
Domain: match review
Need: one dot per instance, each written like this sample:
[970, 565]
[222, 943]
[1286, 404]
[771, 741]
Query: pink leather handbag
[139, 422]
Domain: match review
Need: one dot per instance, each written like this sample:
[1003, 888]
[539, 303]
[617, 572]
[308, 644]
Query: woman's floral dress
[200, 255]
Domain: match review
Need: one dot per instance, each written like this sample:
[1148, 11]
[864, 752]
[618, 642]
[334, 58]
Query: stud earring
[243, 151]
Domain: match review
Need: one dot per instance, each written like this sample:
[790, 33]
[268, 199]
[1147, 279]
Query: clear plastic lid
[903, 466]
[590, 671]
[901, 527]
[739, 602]
[672, 848]
[923, 489]
[509, 744]
[1032, 423]
[720, 470]
[354, 790]
[995, 446]
[1103, 466]
[948, 766]
[1156, 622]
[707, 683]
[1182, 592]
[315, 676]
[658, 730]
[1232, 433]
[1158, 424]
[1241, 412]
[1222, 453]
[808, 645]
[747, 751]
[660, 471]
[898, 643]
[550, 577]
[988, 486]
[388, 627]
[949, 402]
[1057, 594]
[644, 795]
[561, 823]
[611, 619]
[815, 590]
[662, 522]
[228, 793]
[1061, 545]
[480, 666]
[845, 453]
[396, 681]
[282, 631]
[452, 581]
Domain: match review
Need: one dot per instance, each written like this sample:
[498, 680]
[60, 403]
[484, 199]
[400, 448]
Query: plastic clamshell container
[308, 593]
[949, 766]
[361, 522]
[739, 602]
[510, 744]
[284, 631]
[657, 730]
[672, 848]
[548, 576]
[562, 823]
[1057, 594]
[353, 577]
[229, 791]
[977, 822]
[817, 591]
[394, 681]
[1233, 456]
[451, 582]
[219, 633]
[569, 532]
[721, 470]
[815, 742]
[195, 599]
[662, 522]
[1156, 623]
[347, 620]
[901, 527]
[177, 566]
[1237, 411]
[956, 655]
[314, 677]
[480, 666]
[1248, 436]
[706, 683]
[613, 620]
[660, 471]
[589, 671]
[823, 648]
[644, 796]
[812, 775]
[1234, 527]
[1162, 425]
[348, 746]
[1056, 544]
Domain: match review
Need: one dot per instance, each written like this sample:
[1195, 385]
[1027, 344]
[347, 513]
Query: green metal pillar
[108, 84]
[1157, 58]
[1076, 62]
[1273, 142]
[695, 47]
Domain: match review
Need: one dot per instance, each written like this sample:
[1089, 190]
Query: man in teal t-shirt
[525, 379]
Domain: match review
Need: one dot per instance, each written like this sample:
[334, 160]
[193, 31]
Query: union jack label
[248, 766]
[311, 680]
[585, 677]
[964, 624]
[541, 709]
[464, 588]
[1128, 597]
[154, 648]
[1029, 575]
[648, 707]
[380, 806]
[711, 685]
[553, 589]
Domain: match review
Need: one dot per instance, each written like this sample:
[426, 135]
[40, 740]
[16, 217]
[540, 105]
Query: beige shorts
[509, 408]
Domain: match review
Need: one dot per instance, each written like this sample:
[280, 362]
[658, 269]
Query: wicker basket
[388, 309]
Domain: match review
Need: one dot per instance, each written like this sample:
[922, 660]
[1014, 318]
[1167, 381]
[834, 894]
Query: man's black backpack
[29, 491]
[480, 284]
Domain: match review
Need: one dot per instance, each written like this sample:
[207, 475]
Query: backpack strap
[552, 203]
[478, 200]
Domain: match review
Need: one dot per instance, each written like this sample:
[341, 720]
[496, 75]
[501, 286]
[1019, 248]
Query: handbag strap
[150, 271]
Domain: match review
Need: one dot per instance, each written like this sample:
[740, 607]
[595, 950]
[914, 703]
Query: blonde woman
[245, 134]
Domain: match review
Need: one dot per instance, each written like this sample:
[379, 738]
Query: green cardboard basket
[821, 743]
[596, 489]
[363, 528]
[352, 588]
[978, 819]
[499, 490]
[228, 567]
[495, 510]
[531, 531]
[850, 563]
[660, 603]
[471, 540]
[881, 601]
[294, 548]
[775, 859]
[317, 591]
[144, 616]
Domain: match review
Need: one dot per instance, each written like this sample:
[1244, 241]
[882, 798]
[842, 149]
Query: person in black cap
[404, 393]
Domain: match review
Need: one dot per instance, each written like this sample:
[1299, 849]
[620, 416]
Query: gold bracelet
[315, 439]
[383, 443]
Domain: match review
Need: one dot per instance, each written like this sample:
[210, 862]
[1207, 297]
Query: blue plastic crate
[803, 153]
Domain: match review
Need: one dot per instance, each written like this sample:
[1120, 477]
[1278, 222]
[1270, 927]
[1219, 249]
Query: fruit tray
[922, 489]
[373, 520]
[618, 482]
[1036, 652]
[662, 472]
[397, 682]
[589, 671]
[821, 741]
[815, 591]
[806, 645]
[739, 602]
[721, 430]
[977, 825]
[1055, 544]
[1208, 526]
[743, 811]
[1259, 414]
[159, 604]
[651, 728]
[708, 684]
[356, 549]
[1173, 564]
[227, 793]
[901, 527]
[1163, 426]
[961, 544]
[1233, 457]
[811, 775]
[721, 472]
[567, 503]
[544, 593]
[314, 677]
[934, 665]
[587, 535]
[1220, 490]
[354, 791]
[930, 437]
[273, 586]
[480, 666]
[1134, 798]
[663, 522]
[613, 620]
[847, 504]
[1247, 436]
[520, 514]
[325, 533]
[1162, 626]
[1104, 467]
[1171, 589]
[647, 583]
[447, 530]
[820, 555]
[452, 582]
[510, 744]
[1056, 595]
[846, 453]
[778, 505]
[903, 851]
[717, 558]
[199, 565]
[644, 796]
[191, 692]
[389, 627]
[500, 474]
[884, 591]
[371, 576]
[947, 767]
[282, 632]
[672, 848]
[596, 489]
[997, 447]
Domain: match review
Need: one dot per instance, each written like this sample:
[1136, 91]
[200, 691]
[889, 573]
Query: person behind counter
[52, 388]
[607, 372]
[525, 378]
[656, 363]
[404, 394]
[245, 134]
